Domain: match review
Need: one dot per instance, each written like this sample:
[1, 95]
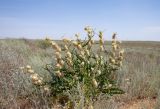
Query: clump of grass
[43, 44]
[78, 67]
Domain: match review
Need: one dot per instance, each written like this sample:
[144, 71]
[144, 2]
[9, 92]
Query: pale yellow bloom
[121, 53]
[92, 69]
[69, 55]
[28, 67]
[101, 57]
[21, 68]
[82, 63]
[58, 66]
[58, 73]
[58, 55]
[30, 71]
[34, 77]
[82, 53]
[89, 44]
[66, 40]
[88, 62]
[65, 47]
[114, 47]
[53, 43]
[58, 49]
[46, 88]
[75, 43]
[127, 79]
[112, 60]
[110, 85]
[61, 62]
[90, 107]
[96, 56]
[87, 52]
[55, 46]
[39, 82]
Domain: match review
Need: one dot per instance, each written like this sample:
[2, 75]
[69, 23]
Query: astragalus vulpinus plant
[78, 64]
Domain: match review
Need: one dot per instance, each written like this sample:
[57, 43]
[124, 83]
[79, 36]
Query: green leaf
[112, 91]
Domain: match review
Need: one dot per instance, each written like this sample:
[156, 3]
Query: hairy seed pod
[79, 46]
[110, 85]
[94, 82]
[98, 72]
[111, 60]
[92, 69]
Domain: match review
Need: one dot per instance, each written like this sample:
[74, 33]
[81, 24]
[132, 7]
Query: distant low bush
[81, 72]
[43, 44]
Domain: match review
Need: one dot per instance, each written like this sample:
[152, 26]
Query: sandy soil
[139, 104]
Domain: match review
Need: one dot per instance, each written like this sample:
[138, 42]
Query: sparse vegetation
[139, 76]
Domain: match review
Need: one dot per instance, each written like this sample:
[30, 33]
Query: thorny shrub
[77, 63]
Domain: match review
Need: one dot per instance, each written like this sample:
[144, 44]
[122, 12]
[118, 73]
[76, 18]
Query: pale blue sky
[131, 19]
